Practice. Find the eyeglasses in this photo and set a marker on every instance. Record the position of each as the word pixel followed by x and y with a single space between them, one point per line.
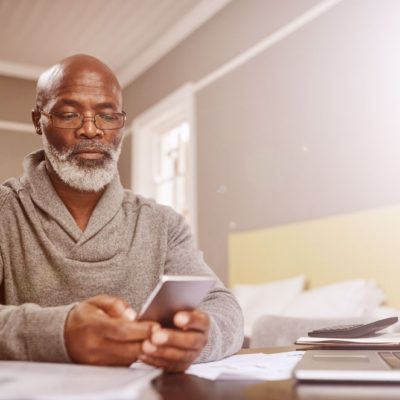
pixel 73 120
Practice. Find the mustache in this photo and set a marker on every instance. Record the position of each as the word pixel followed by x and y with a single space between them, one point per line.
pixel 91 146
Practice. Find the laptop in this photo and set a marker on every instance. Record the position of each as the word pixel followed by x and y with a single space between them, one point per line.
pixel 349 366
pixel 346 391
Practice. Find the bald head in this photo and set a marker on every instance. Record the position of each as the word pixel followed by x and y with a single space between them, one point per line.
pixel 78 71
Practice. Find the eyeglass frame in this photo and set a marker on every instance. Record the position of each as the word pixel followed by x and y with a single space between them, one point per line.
pixel 82 118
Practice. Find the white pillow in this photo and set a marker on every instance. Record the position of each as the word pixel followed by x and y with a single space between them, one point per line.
pixel 338 300
pixel 267 298
pixel 375 296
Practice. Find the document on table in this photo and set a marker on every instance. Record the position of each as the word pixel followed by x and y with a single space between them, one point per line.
pixel 378 340
pixel 45 381
pixel 257 366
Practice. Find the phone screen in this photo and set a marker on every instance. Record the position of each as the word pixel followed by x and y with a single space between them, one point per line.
pixel 173 294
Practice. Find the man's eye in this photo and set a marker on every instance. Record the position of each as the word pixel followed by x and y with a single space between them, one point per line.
pixel 109 117
pixel 67 116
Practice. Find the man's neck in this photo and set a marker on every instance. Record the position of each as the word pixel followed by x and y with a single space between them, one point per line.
pixel 79 204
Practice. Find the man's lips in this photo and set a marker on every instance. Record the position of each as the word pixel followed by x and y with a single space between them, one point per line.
pixel 90 154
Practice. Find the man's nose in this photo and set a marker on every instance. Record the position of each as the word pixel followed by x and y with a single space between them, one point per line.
pixel 89 128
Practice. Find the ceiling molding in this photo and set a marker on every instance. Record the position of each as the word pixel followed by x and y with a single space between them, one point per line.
pixel 188 24
pixel 19 70
pixel 15 126
pixel 270 40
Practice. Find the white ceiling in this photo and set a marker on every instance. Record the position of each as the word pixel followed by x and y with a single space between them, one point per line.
pixel 128 35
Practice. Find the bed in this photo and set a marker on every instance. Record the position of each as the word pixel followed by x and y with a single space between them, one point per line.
pixel 356 254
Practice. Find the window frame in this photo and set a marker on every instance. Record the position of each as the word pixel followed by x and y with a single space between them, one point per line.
pixel 166 114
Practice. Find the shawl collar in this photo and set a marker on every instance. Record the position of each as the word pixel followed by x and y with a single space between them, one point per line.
pixel 43 194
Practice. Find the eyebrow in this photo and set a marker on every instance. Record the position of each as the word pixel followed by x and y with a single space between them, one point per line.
pixel 69 102
pixel 106 105
pixel 100 106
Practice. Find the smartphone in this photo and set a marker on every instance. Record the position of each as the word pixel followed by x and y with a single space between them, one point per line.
pixel 175 293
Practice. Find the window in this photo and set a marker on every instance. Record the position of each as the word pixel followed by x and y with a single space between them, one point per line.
pixel 164 154
pixel 171 167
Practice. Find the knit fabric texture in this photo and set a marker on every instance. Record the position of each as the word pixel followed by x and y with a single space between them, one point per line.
pixel 48 264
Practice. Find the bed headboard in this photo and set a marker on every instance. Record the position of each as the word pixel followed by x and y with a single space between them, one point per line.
pixel 359 245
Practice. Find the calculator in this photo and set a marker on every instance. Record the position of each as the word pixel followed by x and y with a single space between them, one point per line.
pixel 354 330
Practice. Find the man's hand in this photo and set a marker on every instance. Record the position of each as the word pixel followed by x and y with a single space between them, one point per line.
pixel 175 349
pixel 102 331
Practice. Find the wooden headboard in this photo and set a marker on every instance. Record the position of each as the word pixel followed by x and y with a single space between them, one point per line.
pixel 359 245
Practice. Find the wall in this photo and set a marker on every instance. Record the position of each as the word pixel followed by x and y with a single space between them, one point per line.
pixel 231 31
pixel 17 99
pixel 307 129
pixel 16 102
pixel 234 29
pixel 14 146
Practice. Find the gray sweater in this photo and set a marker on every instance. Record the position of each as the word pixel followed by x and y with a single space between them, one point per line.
pixel 47 264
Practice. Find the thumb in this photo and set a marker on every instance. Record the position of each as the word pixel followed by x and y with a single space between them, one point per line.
pixel 113 306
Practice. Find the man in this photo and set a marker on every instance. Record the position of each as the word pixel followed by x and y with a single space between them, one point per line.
pixel 78 253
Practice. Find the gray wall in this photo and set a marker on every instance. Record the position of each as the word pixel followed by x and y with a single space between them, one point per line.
pixel 234 29
pixel 16 102
pixel 17 99
pixel 308 128
pixel 14 146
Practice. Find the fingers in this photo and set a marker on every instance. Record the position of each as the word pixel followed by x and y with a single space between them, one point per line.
pixel 186 340
pixel 169 353
pixel 173 346
pixel 102 331
pixel 113 306
pixel 174 350
pixel 108 352
pixel 115 353
pixel 93 336
pixel 124 331
pixel 192 320
pixel 167 365
pixel 113 328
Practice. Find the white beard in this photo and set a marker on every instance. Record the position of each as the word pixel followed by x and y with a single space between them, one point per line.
pixel 83 175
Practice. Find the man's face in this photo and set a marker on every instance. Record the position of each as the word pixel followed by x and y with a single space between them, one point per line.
pixel 84 158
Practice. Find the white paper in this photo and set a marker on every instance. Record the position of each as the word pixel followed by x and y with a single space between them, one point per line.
pixel 257 366
pixel 44 381
pixel 384 339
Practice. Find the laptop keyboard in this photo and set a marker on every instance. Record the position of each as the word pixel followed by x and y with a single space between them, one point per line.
pixel 391 358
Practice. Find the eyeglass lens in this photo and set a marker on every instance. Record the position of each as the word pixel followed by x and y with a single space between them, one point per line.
pixel 75 120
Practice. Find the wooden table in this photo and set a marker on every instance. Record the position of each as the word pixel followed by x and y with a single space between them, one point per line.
pixel 189 387
pixel 183 387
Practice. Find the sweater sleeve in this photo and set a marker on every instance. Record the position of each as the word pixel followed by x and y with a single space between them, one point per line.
pixel 226 320
pixel 30 332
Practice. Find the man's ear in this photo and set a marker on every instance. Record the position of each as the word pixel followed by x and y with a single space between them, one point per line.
pixel 36 120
